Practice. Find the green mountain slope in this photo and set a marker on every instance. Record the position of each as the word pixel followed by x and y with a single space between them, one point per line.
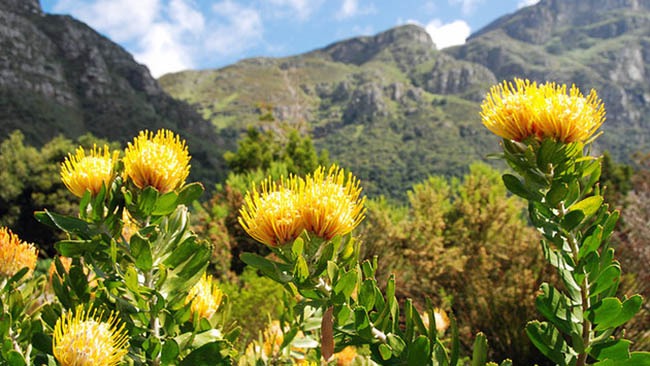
pixel 390 107
pixel 601 44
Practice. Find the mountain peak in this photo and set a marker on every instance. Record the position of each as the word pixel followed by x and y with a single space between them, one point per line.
pixel 21 6
pixel 536 24
pixel 360 50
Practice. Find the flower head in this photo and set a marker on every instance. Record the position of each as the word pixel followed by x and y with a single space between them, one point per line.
pixel 205 297
pixel 273 338
pixel 15 254
pixel 129 226
pixel 51 272
pixel 442 320
pixel 346 356
pixel 160 161
pixel 82 339
pixel 81 172
pixel 524 109
pixel 272 216
pixel 330 203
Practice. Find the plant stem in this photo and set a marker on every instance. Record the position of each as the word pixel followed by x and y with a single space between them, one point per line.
pixel 586 304
pixel 154 322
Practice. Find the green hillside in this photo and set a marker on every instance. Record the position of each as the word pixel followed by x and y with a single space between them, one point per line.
pixel 395 110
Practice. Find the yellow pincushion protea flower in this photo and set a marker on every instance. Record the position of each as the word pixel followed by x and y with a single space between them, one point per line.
pixel 15 254
pixel 81 172
pixel 272 216
pixel 160 161
pixel 330 203
pixel 205 297
pixel 273 338
pixel 524 109
pixel 82 339
pixel 346 356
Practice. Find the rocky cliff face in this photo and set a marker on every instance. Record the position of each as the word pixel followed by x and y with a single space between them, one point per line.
pixel 58 76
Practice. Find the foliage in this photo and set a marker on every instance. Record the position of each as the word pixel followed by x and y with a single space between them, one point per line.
pixel 257 299
pixel 259 149
pixel 31 181
pixel 566 206
pixel 454 243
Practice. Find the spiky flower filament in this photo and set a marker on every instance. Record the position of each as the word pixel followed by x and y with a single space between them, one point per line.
pixel 83 339
pixel 272 216
pixel 330 204
pixel 522 110
pixel 205 297
pixel 81 172
pixel 15 254
pixel 159 160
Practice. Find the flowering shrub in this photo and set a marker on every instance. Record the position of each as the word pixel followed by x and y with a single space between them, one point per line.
pixel 134 288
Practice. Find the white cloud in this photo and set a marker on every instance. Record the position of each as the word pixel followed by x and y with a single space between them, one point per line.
pixel 120 19
pixel 524 3
pixel 351 8
pixel 162 52
pixel 448 34
pixel 237 29
pixel 467 6
pixel 171 35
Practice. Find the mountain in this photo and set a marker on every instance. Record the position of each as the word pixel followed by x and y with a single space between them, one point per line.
pixel 395 110
pixel 600 44
pixel 58 76
pixel 390 107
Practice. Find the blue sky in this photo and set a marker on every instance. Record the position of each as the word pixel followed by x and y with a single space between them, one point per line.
pixel 174 35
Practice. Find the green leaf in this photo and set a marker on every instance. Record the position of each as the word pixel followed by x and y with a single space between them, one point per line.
pixel 548 340
pixel 480 349
pixel 367 294
pixel 588 206
pixel 614 349
pixel 557 193
pixel 71 225
pixel 611 313
pixel 15 359
pixel 346 283
pixel 276 271
pixel 610 224
pixel 591 243
pixel 76 248
pixel 165 204
pixel 572 220
pixel 301 270
pixel 515 186
pixel 385 351
pixel 170 352
pixel 419 352
pixel 215 353
pixel 636 359
pixel 297 248
pixel 146 201
pixel 362 323
pixel 556 307
pixel 396 343
pixel 141 251
pixel 190 193
pixel 607 278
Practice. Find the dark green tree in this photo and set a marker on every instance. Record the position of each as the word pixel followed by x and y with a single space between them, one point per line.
pixel 31 181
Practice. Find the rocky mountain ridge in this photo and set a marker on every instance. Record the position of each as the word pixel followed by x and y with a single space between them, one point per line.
pixel 59 76
pixel 391 107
